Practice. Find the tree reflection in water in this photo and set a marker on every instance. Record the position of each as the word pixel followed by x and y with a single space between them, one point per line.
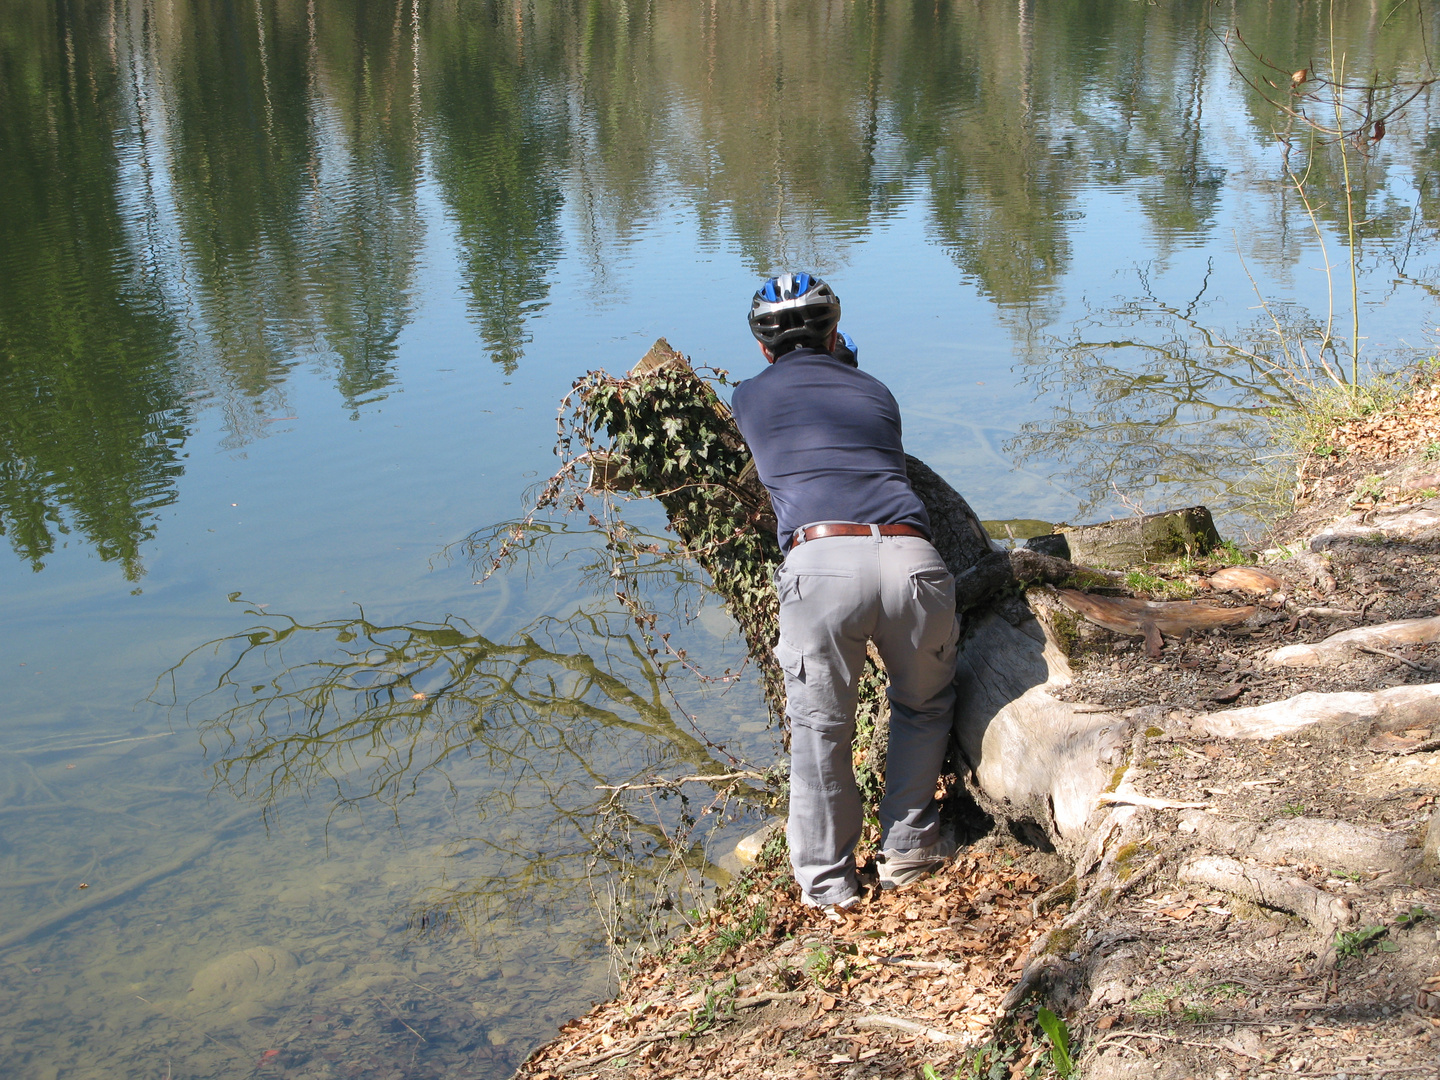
pixel 530 732
pixel 1153 401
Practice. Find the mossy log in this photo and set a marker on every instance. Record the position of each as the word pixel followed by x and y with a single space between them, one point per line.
pixel 1035 763
pixel 1127 542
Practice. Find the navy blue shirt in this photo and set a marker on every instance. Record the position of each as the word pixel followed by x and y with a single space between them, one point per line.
pixel 826 440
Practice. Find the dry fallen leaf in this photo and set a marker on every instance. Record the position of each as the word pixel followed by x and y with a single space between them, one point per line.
pixel 1179 914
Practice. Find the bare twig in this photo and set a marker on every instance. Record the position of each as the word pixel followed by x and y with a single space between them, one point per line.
pixel 677 781
pixel 757 1000
pixel 1125 797
pixel 909 1027
pixel 1326 613
pixel 1396 656
pixel 921 965
pixel 401 1019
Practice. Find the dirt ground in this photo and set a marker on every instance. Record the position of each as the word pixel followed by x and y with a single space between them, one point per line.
pixel 1171 980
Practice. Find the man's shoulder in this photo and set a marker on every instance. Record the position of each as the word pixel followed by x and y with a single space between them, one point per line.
pixel 745 387
pixel 770 375
pixel 803 369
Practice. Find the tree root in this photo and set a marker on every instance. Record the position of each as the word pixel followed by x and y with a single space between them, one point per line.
pixel 1406 525
pixel 1043 966
pixel 1267 888
pixel 1336 845
pixel 1342 647
pixel 1397 708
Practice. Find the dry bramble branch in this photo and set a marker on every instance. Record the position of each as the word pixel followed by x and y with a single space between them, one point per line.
pixel 1361 110
pixel 1356 120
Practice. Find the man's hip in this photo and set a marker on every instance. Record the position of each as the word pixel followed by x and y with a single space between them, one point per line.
pixel 838 593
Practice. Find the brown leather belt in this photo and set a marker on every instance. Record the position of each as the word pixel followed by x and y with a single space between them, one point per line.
pixel 815 532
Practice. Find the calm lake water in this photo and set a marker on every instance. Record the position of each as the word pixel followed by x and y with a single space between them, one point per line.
pixel 289 293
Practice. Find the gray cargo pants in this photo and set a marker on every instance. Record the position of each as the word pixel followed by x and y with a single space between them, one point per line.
pixel 834 594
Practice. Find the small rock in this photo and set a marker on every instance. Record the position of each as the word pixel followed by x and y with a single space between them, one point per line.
pixel 749 848
pixel 241 975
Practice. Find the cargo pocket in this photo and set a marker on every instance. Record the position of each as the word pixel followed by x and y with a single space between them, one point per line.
pixel 934 586
pixel 933 589
pixel 790 659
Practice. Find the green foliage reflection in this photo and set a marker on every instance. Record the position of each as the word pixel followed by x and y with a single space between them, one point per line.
pixel 91 413
pixel 499 155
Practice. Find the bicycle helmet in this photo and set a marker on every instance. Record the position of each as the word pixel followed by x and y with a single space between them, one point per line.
pixel 794 310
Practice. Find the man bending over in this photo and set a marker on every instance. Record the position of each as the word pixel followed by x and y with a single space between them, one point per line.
pixel 858 566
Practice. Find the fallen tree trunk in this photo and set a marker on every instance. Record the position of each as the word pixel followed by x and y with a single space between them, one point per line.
pixel 1127 542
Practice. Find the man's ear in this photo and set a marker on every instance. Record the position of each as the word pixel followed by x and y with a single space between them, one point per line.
pixel 765 352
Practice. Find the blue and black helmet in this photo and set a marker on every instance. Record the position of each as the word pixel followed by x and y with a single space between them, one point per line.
pixel 794 310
